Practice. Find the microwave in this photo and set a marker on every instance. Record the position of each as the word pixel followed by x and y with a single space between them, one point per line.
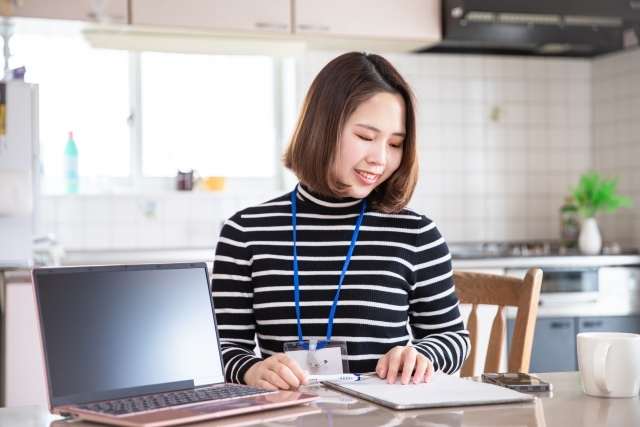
pixel 566 285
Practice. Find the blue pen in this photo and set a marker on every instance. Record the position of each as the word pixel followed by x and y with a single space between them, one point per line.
pixel 315 379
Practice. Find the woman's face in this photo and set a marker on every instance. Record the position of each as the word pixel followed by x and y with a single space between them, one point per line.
pixel 371 143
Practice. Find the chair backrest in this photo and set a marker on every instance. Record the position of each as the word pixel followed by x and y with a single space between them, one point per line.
pixel 478 288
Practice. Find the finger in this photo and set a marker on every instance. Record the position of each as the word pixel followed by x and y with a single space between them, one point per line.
pixel 300 374
pixel 274 378
pixel 382 366
pixel 409 356
pixel 395 359
pixel 421 368
pixel 265 384
pixel 429 375
pixel 286 375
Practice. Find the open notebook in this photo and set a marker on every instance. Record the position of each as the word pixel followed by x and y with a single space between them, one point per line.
pixel 443 390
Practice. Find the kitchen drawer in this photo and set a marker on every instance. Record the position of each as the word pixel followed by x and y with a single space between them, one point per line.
pixel 630 324
pixel 554 344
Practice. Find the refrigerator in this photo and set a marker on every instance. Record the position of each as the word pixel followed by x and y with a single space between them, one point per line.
pixel 19 171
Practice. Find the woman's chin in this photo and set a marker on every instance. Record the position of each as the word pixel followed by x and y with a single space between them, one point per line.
pixel 360 192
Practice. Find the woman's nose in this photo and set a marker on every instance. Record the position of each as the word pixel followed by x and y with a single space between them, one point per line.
pixel 377 154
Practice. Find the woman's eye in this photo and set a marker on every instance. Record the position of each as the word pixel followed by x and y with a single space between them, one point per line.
pixel 364 138
pixel 396 145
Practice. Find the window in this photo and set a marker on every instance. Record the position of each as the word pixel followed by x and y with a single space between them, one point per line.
pixel 210 113
pixel 138 118
pixel 83 90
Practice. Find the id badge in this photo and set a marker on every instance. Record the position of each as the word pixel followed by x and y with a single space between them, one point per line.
pixel 329 360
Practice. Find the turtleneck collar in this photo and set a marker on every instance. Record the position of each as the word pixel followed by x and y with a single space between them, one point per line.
pixel 306 195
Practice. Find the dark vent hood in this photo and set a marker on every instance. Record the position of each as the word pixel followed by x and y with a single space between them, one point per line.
pixel 581 28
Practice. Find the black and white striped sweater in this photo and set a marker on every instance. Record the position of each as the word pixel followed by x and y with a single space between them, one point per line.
pixel 400 271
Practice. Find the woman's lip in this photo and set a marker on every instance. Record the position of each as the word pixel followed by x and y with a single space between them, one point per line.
pixel 367 180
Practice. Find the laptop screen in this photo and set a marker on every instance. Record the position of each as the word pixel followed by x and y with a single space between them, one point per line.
pixel 120 331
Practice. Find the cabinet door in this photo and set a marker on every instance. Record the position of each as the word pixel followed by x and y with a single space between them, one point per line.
pixel 629 324
pixel 24 369
pixel 554 344
pixel 79 10
pixel 247 15
pixel 378 19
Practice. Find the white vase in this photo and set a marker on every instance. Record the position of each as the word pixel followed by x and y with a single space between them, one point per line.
pixel 590 240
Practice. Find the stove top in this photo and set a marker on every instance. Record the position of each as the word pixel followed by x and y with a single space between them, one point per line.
pixel 525 249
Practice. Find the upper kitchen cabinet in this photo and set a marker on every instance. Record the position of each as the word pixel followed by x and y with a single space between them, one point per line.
pixel 114 11
pixel 273 16
pixel 401 20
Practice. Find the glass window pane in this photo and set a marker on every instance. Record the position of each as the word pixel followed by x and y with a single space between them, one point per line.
pixel 210 113
pixel 83 90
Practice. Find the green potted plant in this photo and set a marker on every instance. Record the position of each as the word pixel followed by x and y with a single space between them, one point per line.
pixel 592 195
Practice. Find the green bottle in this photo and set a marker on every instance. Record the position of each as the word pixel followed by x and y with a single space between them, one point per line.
pixel 569 224
pixel 71 165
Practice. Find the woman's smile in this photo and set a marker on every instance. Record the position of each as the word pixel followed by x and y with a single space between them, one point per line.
pixel 367 177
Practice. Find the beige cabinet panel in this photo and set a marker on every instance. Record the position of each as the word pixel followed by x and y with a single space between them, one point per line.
pixel 115 11
pixel 271 16
pixel 24 369
pixel 378 19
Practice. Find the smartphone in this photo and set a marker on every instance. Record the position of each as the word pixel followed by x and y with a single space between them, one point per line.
pixel 517 381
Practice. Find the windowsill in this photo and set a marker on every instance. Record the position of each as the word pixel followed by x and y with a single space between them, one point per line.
pixel 166 186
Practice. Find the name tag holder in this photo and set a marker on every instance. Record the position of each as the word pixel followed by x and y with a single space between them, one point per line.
pixel 328 360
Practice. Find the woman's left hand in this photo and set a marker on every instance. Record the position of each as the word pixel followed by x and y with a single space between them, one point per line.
pixel 405 359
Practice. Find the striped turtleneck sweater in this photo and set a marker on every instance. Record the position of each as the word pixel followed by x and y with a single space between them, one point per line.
pixel 400 275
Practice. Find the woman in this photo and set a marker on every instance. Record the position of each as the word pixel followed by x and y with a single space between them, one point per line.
pixel 354 153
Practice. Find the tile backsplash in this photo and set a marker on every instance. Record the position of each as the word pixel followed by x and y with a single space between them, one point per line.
pixel 616 137
pixel 165 221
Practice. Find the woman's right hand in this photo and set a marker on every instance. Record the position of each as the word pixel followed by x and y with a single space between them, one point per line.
pixel 278 372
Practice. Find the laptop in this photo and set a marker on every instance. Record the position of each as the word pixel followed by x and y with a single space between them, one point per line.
pixel 138 345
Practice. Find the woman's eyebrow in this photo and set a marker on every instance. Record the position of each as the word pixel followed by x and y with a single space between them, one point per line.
pixel 402 134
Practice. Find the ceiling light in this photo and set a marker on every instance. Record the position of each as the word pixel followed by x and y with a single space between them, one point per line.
pixel 480 16
pixel 589 21
pixel 553 48
pixel 526 18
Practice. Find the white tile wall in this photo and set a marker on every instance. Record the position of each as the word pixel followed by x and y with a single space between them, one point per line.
pixel 616 137
pixel 167 221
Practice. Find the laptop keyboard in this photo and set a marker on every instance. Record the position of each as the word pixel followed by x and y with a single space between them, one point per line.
pixel 159 401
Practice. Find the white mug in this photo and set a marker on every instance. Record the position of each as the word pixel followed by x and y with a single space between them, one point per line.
pixel 609 364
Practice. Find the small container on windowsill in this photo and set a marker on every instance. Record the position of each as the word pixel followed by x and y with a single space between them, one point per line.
pixel 184 181
pixel 213 183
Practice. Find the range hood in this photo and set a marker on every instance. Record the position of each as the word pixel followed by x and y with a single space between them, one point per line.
pixel 581 28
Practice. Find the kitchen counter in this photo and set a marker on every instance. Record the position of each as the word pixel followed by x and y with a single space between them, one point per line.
pixel 207 255
pixel 543 261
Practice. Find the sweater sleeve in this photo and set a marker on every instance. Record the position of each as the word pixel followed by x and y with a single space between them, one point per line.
pixel 434 316
pixel 232 291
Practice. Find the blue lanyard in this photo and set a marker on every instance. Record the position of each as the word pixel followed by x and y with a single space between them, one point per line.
pixel 296 280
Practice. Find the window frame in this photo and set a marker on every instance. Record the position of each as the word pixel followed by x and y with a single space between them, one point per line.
pixel 138 183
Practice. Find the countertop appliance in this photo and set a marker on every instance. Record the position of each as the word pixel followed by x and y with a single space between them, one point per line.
pixel 579 28
pixel 19 171
pixel 566 285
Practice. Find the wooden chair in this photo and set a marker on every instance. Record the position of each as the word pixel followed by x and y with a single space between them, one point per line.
pixel 477 288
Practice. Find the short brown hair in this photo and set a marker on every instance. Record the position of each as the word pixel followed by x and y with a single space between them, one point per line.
pixel 340 87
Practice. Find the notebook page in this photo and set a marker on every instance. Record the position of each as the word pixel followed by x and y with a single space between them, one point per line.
pixel 443 390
